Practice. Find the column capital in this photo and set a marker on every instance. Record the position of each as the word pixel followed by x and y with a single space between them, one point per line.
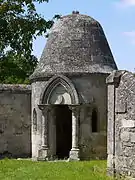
pixel 74 108
pixel 44 107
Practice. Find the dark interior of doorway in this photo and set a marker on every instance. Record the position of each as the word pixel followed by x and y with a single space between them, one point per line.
pixel 63 131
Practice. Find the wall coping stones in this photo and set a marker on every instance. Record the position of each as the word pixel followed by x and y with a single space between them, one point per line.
pixel 46 77
pixel 21 88
pixel 114 77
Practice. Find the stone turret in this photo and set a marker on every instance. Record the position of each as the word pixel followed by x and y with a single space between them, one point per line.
pixel 76 45
pixel 69 92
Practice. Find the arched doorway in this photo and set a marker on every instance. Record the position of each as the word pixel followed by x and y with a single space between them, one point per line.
pixel 63 131
pixel 57 137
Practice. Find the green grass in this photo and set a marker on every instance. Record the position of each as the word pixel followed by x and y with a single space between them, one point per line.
pixel 29 170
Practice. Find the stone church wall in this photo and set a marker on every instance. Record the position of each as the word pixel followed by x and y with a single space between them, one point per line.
pixel 121 123
pixel 37 88
pixel 92 89
pixel 15 120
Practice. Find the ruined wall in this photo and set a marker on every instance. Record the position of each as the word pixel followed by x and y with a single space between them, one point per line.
pixel 15 120
pixel 121 123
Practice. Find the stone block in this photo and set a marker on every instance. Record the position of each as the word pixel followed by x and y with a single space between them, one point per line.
pixel 132 136
pixel 121 107
pixel 74 155
pixel 43 154
pixel 128 123
pixel 110 161
pixel 124 136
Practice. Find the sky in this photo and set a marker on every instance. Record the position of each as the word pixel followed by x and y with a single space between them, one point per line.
pixel 117 18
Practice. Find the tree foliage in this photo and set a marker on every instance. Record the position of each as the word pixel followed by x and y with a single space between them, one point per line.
pixel 19 25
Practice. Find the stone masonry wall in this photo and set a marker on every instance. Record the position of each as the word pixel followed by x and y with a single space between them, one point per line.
pixel 37 89
pixel 15 120
pixel 121 123
pixel 91 89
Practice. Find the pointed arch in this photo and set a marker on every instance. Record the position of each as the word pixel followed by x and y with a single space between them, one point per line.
pixel 54 82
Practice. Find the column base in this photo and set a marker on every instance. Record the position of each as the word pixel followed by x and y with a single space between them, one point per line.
pixel 111 172
pixel 34 159
pixel 43 154
pixel 74 155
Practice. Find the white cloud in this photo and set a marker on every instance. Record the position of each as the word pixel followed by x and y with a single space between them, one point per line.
pixel 130 35
pixel 129 2
pixel 125 3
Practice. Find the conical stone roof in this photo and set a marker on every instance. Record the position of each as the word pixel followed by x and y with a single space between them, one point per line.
pixel 76 45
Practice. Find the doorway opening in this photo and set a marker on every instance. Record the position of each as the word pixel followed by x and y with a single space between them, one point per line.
pixel 63 131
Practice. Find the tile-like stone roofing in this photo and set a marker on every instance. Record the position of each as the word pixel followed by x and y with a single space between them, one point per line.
pixel 76 45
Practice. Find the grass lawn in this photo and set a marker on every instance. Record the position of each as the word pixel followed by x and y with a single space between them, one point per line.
pixel 29 170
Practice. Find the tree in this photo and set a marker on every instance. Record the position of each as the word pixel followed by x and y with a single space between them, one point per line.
pixel 19 25
pixel 16 69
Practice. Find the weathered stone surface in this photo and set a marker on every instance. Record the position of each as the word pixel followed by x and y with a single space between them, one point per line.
pixel 128 123
pixel 132 136
pixel 74 155
pixel 72 72
pixel 92 145
pixel 125 136
pixel 76 44
pixel 21 88
pixel 15 120
pixel 122 124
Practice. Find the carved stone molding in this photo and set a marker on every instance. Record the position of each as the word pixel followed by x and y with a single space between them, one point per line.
pixel 75 109
pixel 114 77
pixel 45 108
pixel 53 83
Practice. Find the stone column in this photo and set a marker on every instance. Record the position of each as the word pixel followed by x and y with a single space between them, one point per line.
pixel 44 151
pixel 112 82
pixel 52 132
pixel 74 153
pixel 111 130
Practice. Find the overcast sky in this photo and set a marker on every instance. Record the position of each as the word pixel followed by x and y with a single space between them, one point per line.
pixel 117 18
